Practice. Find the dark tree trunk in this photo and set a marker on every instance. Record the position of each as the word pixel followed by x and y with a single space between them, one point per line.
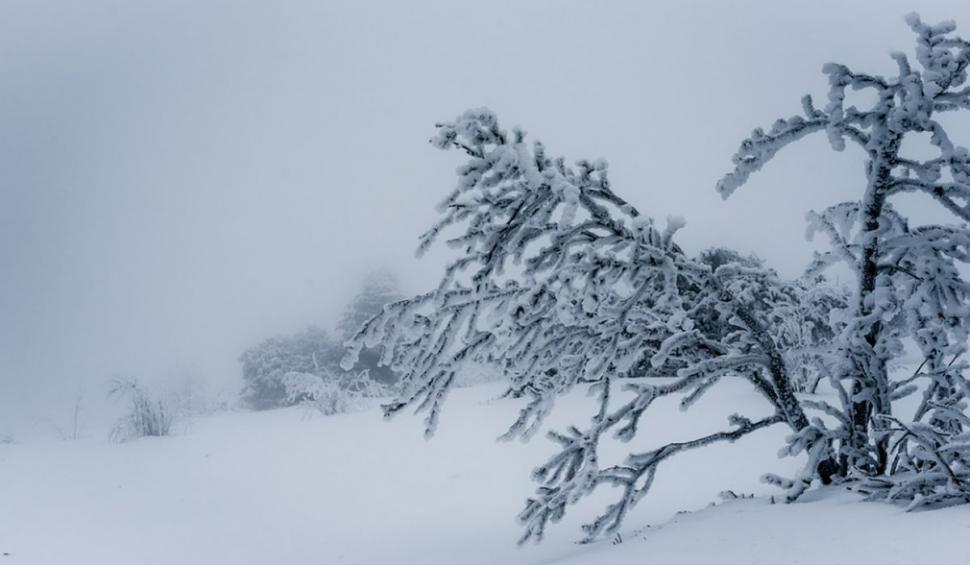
pixel 872 377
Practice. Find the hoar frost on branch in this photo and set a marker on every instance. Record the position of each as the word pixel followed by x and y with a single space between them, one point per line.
pixel 909 281
pixel 561 282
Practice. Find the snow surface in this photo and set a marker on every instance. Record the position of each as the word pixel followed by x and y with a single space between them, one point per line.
pixel 279 487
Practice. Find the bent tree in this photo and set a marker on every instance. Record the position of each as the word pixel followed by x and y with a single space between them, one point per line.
pixel 561 283
pixel 909 283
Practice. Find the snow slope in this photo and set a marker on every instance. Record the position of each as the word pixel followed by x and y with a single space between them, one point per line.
pixel 829 526
pixel 278 487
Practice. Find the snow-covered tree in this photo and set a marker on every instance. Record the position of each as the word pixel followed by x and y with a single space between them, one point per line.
pixel 909 282
pixel 561 283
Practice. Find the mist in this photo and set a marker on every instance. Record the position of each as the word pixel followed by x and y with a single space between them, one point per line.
pixel 181 179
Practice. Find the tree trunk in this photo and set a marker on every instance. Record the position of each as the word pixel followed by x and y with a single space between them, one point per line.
pixel 787 402
pixel 871 376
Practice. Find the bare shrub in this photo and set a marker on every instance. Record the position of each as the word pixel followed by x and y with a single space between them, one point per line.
pixel 148 416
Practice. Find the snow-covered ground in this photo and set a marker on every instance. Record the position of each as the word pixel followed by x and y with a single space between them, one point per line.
pixel 279 487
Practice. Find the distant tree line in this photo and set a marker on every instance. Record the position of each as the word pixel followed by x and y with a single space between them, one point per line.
pixel 312 356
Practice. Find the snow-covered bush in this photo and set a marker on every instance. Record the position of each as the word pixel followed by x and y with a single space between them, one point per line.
pixel 910 286
pixel 264 365
pixel 147 415
pixel 333 394
pixel 315 352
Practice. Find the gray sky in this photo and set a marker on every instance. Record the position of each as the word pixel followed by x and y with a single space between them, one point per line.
pixel 180 179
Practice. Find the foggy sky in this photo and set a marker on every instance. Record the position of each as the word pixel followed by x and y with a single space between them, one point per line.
pixel 180 179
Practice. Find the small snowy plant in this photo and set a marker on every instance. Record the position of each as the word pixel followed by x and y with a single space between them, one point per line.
pixel 332 394
pixel 561 283
pixel 910 286
pixel 147 415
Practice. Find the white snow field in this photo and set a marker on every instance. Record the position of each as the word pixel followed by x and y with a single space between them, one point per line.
pixel 281 487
